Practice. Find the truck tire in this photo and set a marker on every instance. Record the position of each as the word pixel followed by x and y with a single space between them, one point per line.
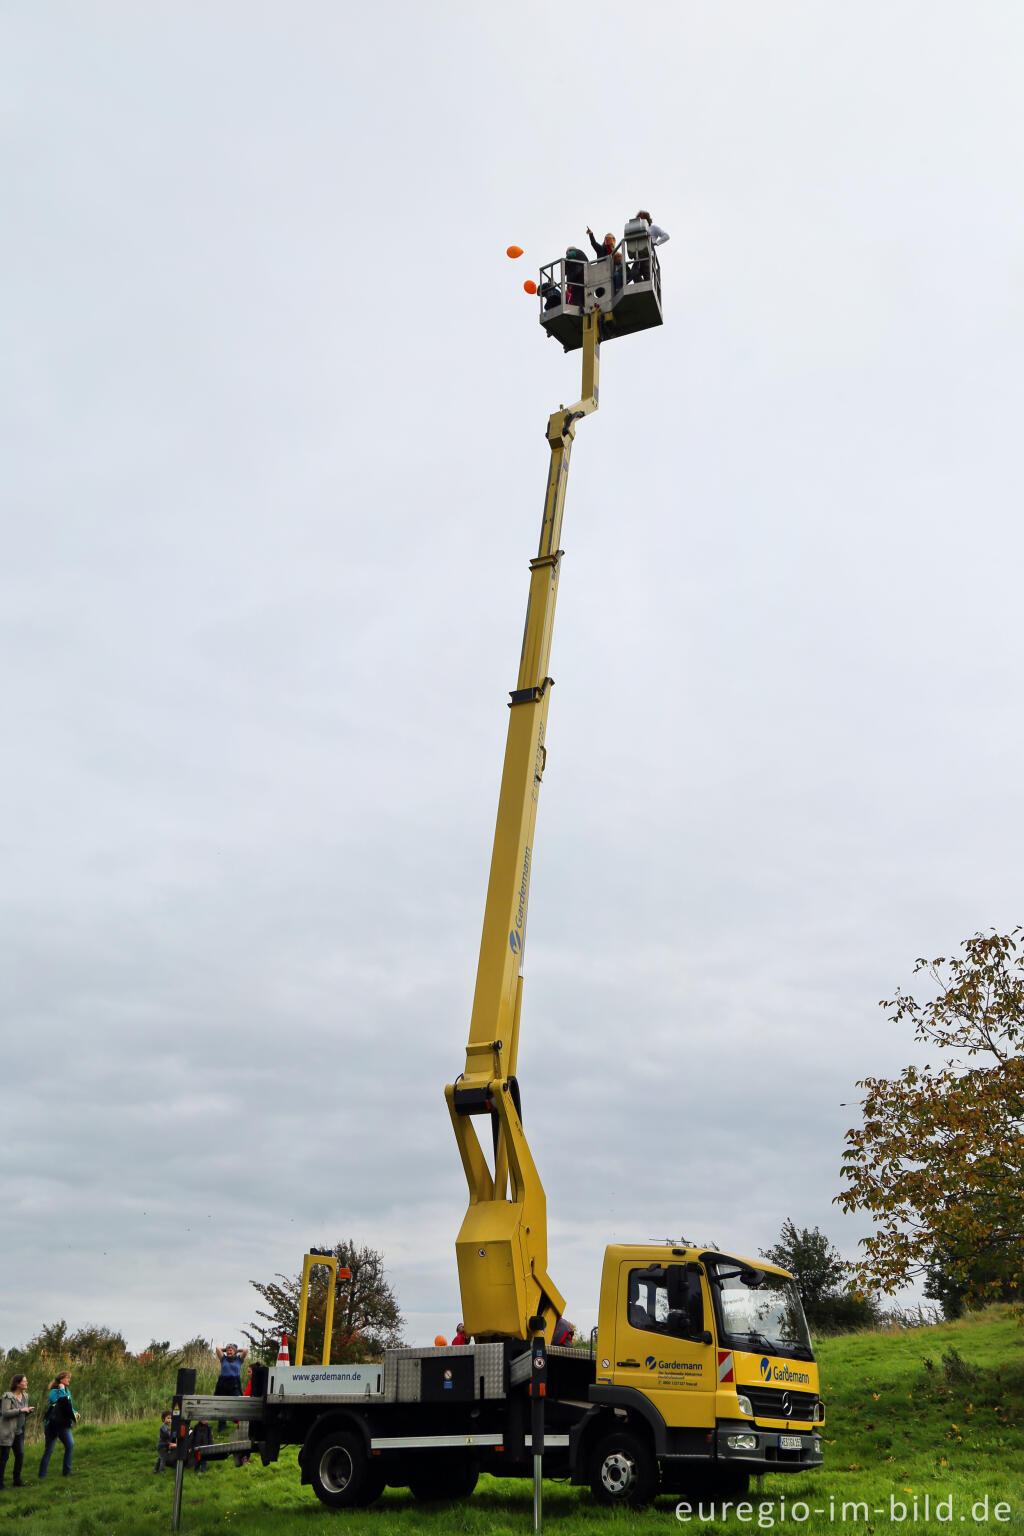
pixel 453 1478
pixel 341 1472
pixel 623 1470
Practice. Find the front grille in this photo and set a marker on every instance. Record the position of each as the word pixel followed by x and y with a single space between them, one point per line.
pixel 767 1403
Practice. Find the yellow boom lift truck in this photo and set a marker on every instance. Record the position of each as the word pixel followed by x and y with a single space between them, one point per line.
pixel 701 1371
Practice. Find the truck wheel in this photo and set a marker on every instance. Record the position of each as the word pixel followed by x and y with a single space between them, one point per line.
pixel 623 1470
pixel 452 1479
pixel 342 1474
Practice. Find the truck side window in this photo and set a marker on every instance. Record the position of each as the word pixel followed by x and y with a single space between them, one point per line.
pixel 666 1301
pixel 686 1303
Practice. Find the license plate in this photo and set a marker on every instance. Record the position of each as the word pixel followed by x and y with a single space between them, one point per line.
pixel 790 1442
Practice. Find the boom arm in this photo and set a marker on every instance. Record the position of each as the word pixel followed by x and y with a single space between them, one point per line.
pixel 502 1244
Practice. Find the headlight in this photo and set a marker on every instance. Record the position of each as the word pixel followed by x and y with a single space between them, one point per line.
pixel 741 1442
pixel 819 1412
pixel 744 1405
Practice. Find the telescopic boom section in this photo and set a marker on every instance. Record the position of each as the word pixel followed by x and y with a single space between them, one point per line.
pixel 502 1244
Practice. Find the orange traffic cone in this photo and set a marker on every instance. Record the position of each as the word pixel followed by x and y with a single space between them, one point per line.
pixel 283 1357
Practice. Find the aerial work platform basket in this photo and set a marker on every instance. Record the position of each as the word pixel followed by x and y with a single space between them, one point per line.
pixel 625 286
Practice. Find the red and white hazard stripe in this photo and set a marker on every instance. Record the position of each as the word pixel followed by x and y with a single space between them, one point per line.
pixel 725 1373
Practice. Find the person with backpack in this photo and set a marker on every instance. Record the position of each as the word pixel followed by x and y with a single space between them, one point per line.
pixel 57 1422
pixel 14 1412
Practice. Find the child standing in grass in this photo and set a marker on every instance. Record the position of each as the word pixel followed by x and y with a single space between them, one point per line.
pixel 163 1446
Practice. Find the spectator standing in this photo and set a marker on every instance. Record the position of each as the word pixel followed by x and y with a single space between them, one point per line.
pixel 14 1412
pixel 460 1335
pixel 58 1420
pixel 199 1437
pixel 229 1382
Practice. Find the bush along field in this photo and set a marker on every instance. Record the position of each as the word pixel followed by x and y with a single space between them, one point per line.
pixel 925 1431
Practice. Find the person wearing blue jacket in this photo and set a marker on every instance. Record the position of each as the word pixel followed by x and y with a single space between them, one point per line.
pixel 57 1422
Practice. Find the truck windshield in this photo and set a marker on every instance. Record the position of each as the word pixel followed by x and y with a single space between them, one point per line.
pixel 758 1310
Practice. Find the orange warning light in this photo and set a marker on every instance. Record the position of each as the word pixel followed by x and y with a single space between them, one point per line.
pixel 514 251
pixel 440 1341
pixel 530 286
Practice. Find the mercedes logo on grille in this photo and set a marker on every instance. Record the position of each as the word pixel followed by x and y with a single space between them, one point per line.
pixel 787 1405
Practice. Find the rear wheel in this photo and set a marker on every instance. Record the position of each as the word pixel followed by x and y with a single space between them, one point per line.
pixel 342 1474
pixel 623 1470
pixel 453 1478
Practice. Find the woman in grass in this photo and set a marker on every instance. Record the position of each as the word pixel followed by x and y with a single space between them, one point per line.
pixel 14 1412
pixel 60 1416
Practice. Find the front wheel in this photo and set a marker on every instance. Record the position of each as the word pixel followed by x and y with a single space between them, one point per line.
pixel 623 1470
pixel 342 1473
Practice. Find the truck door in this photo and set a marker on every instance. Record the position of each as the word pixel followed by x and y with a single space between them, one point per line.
pixel 662 1344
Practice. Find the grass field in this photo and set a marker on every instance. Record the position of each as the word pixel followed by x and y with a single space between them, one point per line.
pixel 936 1412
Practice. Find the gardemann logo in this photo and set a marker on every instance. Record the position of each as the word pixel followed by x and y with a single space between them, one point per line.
pixel 650 1362
pixel 782 1372
pixel 515 938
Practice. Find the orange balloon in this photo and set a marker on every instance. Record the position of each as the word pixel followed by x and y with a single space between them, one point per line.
pixel 530 286
pixel 514 251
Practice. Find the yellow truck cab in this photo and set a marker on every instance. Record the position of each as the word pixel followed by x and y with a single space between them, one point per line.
pixel 704 1373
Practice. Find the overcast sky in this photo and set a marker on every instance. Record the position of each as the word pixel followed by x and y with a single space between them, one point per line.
pixel 273 463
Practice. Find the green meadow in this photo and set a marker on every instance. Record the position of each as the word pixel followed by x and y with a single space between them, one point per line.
pixel 931 1413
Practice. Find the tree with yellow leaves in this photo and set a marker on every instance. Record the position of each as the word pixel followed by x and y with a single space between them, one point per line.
pixel 939 1159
